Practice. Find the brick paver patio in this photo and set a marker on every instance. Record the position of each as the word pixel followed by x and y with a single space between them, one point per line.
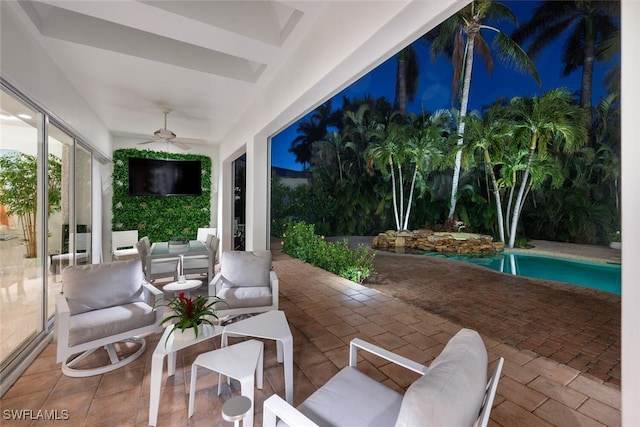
pixel 572 325
pixel 325 312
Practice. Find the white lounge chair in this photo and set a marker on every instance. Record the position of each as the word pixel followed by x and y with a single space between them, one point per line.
pixel 452 392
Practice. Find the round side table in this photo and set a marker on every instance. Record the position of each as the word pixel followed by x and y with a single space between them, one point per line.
pixel 186 286
pixel 235 409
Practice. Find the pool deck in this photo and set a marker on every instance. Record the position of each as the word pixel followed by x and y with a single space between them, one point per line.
pixel 575 326
pixel 573 250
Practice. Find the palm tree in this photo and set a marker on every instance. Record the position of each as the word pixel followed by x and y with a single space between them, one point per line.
pixel 488 135
pixel 424 149
pixel 407 75
pixel 311 130
pixel 460 37
pixel 589 23
pixel 383 153
pixel 539 122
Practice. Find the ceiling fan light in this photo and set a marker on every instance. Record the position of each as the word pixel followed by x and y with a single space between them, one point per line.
pixel 164 134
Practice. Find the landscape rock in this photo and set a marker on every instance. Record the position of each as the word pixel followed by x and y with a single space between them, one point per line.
pixel 429 241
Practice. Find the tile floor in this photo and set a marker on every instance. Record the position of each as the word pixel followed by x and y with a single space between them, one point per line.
pixel 324 312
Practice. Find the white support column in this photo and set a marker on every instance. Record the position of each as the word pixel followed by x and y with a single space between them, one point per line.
pixel 225 202
pixel 257 201
pixel 630 106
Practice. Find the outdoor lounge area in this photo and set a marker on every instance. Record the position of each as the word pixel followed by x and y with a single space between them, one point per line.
pixel 324 313
pixel 80 82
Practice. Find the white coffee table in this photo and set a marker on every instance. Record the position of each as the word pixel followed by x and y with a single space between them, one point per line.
pixel 185 286
pixel 169 347
pixel 271 325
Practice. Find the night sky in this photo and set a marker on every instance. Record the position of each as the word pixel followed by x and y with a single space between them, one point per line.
pixel 434 90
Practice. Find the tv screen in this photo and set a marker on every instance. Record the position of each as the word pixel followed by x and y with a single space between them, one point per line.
pixel 153 177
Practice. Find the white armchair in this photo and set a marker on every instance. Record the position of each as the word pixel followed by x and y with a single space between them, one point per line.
pixel 246 282
pixel 452 392
pixel 103 304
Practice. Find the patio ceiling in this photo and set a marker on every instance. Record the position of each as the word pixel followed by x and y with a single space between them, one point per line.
pixel 208 61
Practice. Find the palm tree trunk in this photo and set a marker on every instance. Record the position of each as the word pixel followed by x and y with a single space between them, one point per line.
pixel 393 195
pixel 413 184
pixel 401 83
pixel 587 79
pixel 587 69
pixel 496 195
pixel 401 191
pixel 466 85
pixel 520 199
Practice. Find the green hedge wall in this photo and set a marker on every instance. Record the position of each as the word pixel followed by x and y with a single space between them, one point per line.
pixel 160 218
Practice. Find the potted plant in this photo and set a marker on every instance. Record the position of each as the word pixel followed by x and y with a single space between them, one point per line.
pixel 19 186
pixel 190 314
pixel 615 240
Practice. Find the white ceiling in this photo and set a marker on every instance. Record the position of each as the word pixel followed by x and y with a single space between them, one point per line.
pixel 214 62
pixel 205 60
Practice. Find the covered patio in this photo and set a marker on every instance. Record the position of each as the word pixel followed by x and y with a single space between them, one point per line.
pixel 324 312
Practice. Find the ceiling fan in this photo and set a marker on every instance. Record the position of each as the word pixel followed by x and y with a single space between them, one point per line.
pixel 169 136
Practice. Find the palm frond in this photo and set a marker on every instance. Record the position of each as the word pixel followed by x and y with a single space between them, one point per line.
pixel 511 53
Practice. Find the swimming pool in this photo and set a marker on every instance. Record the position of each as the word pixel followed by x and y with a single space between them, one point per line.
pixel 602 276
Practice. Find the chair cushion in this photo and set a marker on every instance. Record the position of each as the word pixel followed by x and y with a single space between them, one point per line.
pixel 242 297
pixel 97 286
pixel 121 254
pixel 110 321
pixel 352 398
pixel 245 268
pixel 451 392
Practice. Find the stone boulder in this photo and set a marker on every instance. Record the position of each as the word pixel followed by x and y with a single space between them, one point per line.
pixel 427 240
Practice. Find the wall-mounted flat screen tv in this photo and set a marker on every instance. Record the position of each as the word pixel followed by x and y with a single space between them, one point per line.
pixel 154 177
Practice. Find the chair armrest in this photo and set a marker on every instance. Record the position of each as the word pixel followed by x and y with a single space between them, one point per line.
pixel 215 285
pixel 61 326
pixel 357 343
pixel 152 291
pixel 276 407
pixel 273 279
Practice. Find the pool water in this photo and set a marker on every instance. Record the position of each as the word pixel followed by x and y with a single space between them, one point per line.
pixel 602 276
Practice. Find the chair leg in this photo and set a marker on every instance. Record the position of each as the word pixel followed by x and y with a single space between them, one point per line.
pixel 69 370
pixel 111 351
pixel 192 388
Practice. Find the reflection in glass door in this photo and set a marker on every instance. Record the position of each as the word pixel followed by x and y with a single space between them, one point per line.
pixel 45 223
pixel 21 248
pixel 60 145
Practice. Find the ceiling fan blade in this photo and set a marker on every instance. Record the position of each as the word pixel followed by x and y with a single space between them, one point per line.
pixel 180 144
pixel 148 142
pixel 189 140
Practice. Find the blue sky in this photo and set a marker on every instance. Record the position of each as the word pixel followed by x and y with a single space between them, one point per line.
pixel 434 90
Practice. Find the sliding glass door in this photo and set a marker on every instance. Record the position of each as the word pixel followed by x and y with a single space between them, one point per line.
pixel 45 221
pixel 22 251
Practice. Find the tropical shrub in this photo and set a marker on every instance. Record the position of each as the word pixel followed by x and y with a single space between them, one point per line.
pixel 299 240
pixel 19 188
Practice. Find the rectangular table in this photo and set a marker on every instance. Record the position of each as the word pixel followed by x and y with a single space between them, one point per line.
pixel 161 250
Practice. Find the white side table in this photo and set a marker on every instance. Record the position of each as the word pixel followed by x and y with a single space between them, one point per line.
pixel 157 361
pixel 271 325
pixel 186 286
pixel 241 361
